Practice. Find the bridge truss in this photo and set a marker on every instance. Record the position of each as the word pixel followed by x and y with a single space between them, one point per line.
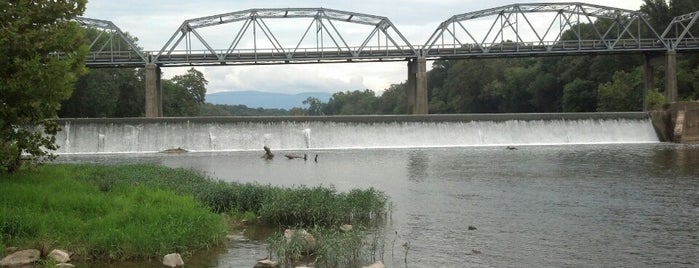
pixel 109 46
pixel 683 29
pixel 256 39
pixel 543 28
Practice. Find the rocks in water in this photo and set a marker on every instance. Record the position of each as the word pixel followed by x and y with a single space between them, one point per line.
pixel 471 228
pixel 268 153
pixel 377 264
pixel 173 260
pixel 177 150
pixel 266 263
pixel 304 237
pixel 59 256
pixel 21 258
pixel 65 265
pixel 475 251
pixel 237 237
pixel 511 148
pixel 346 227
pixel 295 156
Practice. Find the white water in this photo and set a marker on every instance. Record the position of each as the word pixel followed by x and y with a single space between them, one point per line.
pixel 109 137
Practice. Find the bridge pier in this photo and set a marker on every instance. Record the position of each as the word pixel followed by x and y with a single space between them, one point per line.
pixel 670 62
pixel 154 91
pixel 417 86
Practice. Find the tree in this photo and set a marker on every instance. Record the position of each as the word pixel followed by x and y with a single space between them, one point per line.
pixel 184 94
pixel 579 96
pixel 315 106
pixel 32 82
pixel 623 93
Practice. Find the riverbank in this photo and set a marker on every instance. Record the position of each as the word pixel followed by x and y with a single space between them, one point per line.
pixel 133 212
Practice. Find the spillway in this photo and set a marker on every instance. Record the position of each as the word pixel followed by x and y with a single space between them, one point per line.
pixel 202 134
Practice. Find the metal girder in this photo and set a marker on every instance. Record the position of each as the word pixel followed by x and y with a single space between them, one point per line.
pixel 512 31
pixel 682 26
pixel 106 49
pixel 330 45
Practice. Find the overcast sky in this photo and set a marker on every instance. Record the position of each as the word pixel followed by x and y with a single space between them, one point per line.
pixel 155 21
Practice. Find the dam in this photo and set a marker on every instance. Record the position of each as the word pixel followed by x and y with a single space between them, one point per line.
pixel 212 134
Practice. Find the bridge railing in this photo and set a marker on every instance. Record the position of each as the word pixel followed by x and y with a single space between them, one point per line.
pixel 272 55
pixel 610 45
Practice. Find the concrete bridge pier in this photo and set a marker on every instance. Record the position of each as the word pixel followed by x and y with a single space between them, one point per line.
pixel 417 86
pixel 154 91
pixel 669 59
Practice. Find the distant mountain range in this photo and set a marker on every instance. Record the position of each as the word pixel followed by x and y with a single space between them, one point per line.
pixel 267 100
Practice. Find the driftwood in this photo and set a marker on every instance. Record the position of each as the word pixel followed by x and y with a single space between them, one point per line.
pixel 294 156
pixel 268 153
pixel 174 150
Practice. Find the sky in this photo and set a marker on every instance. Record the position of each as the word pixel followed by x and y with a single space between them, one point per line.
pixel 154 22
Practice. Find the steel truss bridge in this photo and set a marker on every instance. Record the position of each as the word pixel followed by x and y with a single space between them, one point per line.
pixel 320 35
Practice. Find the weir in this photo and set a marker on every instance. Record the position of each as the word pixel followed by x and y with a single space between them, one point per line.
pixel 208 134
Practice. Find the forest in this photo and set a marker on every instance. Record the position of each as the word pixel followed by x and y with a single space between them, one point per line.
pixel 603 83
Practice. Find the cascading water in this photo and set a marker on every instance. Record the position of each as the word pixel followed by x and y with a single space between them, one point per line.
pixel 123 136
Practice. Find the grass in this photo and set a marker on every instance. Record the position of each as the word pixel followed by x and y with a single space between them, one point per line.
pixel 131 212
pixel 48 207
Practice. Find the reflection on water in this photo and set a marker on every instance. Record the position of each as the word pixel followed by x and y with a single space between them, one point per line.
pixel 537 206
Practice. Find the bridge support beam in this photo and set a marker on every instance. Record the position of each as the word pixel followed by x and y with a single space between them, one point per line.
pixel 671 76
pixel 154 91
pixel 417 86
pixel 669 60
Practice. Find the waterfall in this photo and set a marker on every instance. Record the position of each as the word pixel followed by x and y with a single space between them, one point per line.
pixel 130 136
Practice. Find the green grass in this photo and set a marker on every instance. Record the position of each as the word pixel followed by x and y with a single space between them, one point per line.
pixel 145 211
pixel 48 207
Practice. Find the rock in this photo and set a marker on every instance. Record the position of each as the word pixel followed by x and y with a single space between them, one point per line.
pixel 377 264
pixel 475 251
pixel 266 263
pixel 9 250
pixel 307 240
pixel 173 260
pixel 471 228
pixel 65 265
pixel 59 255
pixel 346 227
pixel 21 258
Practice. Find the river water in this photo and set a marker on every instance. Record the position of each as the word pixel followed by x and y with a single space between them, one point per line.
pixel 593 205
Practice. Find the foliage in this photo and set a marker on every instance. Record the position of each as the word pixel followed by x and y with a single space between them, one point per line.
pixel 623 93
pixel 32 83
pixel 655 99
pixel 274 205
pixel 57 205
pixel 184 94
pixel 579 96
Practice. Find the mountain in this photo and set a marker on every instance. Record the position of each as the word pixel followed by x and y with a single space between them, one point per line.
pixel 267 100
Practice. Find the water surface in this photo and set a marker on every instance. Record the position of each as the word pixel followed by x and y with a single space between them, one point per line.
pixel 624 205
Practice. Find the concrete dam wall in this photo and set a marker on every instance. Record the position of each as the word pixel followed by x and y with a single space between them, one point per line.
pixel 202 134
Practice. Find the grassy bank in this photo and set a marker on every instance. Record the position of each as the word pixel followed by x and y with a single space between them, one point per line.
pixel 51 207
pixel 145 211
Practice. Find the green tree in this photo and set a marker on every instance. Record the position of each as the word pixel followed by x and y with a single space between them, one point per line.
pixel 33 83
pixel 394 100
pixel 315 106
pixel 579 96
pixel 352 103
pixel 184 94
pixel 623 93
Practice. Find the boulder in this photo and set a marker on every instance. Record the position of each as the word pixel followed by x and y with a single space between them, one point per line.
pixel 59 256
pixel 307 240
pixel 173 260
pixel 21 258
pixel 346 227
pixel 266 263
pixel 377 264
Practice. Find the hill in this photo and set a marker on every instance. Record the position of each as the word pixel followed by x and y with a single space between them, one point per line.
pixel 267 100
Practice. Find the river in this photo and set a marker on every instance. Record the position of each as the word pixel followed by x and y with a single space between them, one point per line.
pixel 573 205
